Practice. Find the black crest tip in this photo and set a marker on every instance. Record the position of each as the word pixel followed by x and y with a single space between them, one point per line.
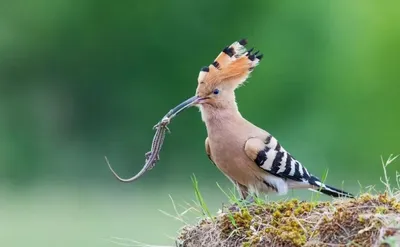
pixel 249 51
pixel 260 56
pixel 205 69
pixel 229 51
pixel 215 64
pixel 243 42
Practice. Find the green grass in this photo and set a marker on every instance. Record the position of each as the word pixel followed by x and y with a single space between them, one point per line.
pixel 200 200
pixel 386 179
pixel 323 180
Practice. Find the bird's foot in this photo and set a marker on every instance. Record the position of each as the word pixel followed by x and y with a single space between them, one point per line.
pixel 242 203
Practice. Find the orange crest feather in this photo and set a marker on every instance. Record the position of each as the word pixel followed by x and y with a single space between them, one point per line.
pixel 232 66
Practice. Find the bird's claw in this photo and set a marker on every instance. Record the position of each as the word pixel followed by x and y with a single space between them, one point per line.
pixel 241 203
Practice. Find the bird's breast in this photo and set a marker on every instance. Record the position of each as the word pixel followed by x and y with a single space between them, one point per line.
pixel 229 156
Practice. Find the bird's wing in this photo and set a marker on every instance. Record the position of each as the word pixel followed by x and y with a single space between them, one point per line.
pixel 208 151
pixel 270 156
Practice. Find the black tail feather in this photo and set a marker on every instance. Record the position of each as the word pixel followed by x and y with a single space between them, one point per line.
pixel 328 190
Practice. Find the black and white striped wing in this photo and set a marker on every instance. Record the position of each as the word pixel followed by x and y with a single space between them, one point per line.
pixel 277 161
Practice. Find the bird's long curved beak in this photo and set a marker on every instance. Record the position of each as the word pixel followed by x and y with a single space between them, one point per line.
pixel 184 105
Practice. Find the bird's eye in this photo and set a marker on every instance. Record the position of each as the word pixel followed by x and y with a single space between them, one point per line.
pixel 216 91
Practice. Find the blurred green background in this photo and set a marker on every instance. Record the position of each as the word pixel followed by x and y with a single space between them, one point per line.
pixel 80 80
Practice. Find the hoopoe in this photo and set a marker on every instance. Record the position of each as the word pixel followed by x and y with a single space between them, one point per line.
pixel 248 155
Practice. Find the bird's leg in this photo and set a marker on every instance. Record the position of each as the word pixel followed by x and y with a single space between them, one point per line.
pixel 243 191
pixel 249 199
pixel 245 198
pixel 246 202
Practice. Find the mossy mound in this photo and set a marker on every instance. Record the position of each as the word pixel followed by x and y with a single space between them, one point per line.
pixel 365 221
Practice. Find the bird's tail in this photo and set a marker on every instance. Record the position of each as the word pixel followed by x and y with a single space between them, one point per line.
pixel 328 190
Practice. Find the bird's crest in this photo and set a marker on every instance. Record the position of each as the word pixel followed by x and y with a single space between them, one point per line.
pixel 232 66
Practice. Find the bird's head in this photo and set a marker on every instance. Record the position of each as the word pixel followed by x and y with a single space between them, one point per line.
pixel 218 81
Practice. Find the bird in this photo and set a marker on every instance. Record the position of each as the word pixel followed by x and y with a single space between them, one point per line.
pixel 249 156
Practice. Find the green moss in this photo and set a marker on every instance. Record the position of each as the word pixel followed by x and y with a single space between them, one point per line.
pixel 352 222
pixel 381 210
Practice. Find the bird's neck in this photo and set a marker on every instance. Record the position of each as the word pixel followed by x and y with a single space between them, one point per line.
pixel 217 119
